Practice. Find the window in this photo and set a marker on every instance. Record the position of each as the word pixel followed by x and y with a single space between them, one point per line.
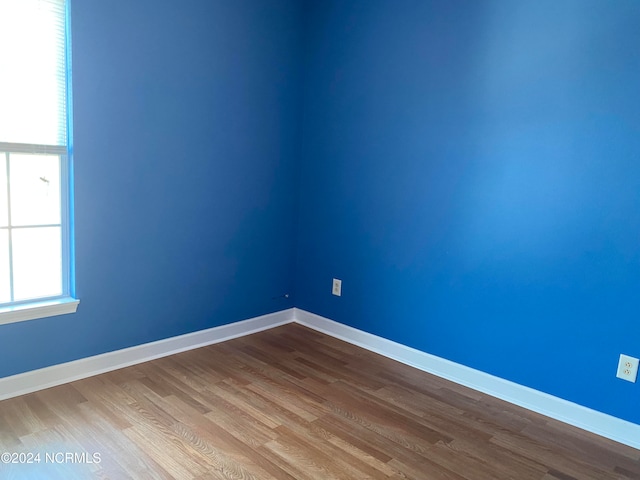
pixel 35 246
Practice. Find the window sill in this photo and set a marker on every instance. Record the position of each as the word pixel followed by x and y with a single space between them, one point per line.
pixel 31 311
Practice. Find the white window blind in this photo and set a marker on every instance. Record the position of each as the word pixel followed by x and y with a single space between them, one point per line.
pixel 33 100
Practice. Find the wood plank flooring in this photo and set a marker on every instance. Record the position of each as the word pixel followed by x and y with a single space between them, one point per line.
pixel 292 404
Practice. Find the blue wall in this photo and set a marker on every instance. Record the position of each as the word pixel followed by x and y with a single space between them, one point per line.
pixel 471 171
pixel 185 141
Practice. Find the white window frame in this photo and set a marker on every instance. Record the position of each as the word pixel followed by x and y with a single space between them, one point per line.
pixel 64 303
pixel 60 304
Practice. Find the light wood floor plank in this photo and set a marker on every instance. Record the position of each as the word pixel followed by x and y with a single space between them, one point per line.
pixel 293 404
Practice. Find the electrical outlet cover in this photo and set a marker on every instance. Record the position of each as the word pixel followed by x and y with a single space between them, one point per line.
pixel 337 287
pixel 627 368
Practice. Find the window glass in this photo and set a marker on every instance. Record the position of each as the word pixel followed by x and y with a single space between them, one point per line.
pixel 5 293
pixel 4 210
pixel 37 262
pixel 35 189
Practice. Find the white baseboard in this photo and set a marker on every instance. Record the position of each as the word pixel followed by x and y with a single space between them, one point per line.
pixel 593 421
pixel 42 378
pixel 582 417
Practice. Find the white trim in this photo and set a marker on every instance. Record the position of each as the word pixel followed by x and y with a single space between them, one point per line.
pixel 568 412
pixel 33 310
pixel 42 378
pixel 590 420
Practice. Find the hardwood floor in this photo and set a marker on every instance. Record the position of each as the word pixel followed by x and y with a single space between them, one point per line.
pixel 290 403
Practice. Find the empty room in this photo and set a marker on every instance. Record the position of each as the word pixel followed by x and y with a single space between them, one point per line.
pixel 319 239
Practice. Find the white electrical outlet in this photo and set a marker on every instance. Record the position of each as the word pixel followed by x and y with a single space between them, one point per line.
pixel 627 368
pixel 337 287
